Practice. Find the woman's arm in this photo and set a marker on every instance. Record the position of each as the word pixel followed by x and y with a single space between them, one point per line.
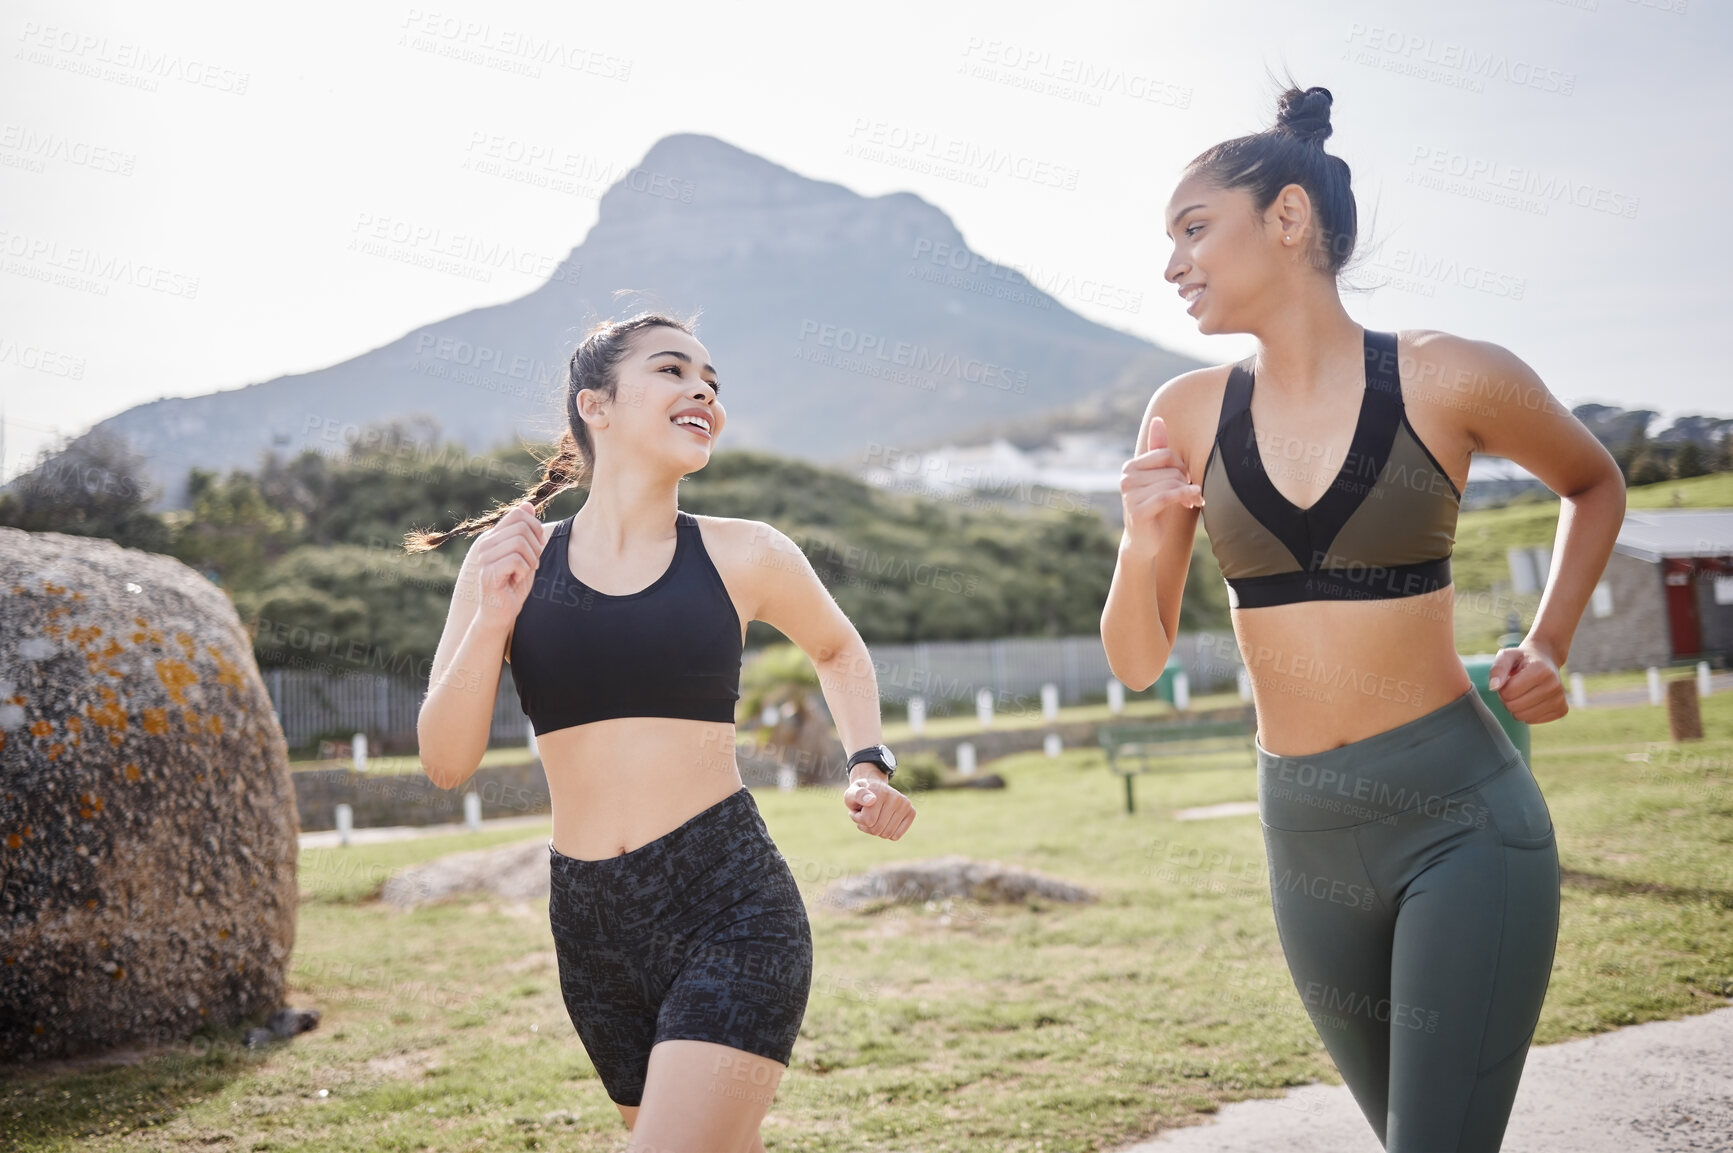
pixel 1161 503
pixel 787 594
pixel 1510 413
pixel 457 714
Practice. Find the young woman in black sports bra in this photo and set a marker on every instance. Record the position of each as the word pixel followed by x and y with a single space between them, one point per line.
pixel 1412 863
pixel 685 956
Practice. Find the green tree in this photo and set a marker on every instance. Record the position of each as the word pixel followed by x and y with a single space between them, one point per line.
pixel 94 486
pixel 1649 468
pixel 350 608
pixel 231 530
pixel 1690 460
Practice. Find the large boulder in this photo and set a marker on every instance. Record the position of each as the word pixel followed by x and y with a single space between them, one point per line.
pixel 148 833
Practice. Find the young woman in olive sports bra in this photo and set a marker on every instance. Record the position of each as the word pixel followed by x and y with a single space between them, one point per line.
pixel 685 956
pixel 1412 864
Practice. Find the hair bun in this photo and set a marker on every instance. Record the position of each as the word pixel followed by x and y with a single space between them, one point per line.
pixel 1305 114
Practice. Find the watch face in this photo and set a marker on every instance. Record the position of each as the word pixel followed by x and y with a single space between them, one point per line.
pixel 889 757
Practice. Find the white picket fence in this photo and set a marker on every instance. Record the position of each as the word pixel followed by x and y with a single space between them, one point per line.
pixel 1015 668
pixel 312 705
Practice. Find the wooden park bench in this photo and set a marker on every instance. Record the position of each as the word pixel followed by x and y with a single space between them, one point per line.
pixel 1138 748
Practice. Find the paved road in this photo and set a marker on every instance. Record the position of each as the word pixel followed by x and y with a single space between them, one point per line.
pixel 1664 1087
pixel 327 839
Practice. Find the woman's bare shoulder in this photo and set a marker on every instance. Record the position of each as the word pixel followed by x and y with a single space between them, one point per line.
pixel 1188 405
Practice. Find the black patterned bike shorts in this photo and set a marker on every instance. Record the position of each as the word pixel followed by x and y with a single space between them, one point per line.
pixel 699 935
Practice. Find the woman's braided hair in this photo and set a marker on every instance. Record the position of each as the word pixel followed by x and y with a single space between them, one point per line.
pixel 573 462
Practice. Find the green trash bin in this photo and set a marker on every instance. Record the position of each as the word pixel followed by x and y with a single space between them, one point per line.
pixel 1479 668
pixel 1164 683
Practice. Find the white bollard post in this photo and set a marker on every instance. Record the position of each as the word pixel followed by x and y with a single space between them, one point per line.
pixel 1702 678
pixel 530 739
pixel 472 811
pixel 770 716
pixel 984 707
pixel 1115 696
pixel 966 759
pixel 358 750
pixel 917 715
pixel 1052 745
pixel 1049 702
pixel 785 778
pixel 1579 692
pixel 1181 691
pixel 1655 693
pixel 345 823
pixel 1245 681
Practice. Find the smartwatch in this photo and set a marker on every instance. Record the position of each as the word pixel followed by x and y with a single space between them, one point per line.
pixel 880 755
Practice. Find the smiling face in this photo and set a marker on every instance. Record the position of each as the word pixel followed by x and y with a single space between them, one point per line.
pixel 1229 263
pixel 665 406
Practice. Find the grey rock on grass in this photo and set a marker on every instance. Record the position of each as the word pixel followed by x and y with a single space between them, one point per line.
pixel 148 833
pixel 918 881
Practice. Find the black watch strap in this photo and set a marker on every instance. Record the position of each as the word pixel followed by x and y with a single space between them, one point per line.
pixel 871 753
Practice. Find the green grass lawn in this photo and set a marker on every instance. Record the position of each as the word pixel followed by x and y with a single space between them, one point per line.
pixel 947 1028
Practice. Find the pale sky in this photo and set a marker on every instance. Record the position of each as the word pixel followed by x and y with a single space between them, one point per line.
pixel 178 186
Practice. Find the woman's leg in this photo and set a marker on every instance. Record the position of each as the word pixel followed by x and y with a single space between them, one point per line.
pixel 738 963
pixel 1473 953
pixel 703 1096
pixel 1336 936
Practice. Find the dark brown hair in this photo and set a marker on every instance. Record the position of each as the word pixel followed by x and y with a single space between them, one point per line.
pixel 1292 152
pixel 593 366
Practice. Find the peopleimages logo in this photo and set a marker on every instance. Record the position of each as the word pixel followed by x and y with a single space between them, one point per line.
pixel 915 357
pixel 1456 64
pixel 1485 179
pixel 880 140
pixel 121 61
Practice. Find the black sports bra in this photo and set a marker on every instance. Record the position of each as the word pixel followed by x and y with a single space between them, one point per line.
pixel 1384 528
pixel 671 649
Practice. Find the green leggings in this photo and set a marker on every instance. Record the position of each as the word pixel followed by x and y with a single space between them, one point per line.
pixel 1416 891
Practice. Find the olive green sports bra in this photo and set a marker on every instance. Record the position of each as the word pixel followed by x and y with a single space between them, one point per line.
pixel 1384 528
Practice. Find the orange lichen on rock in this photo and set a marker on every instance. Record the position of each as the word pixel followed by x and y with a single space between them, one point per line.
pixel 227 673
pixel 41 729
pixel 132 773
pixel 155 721
pixel 176 676
pixel 103 662
pixel 109 714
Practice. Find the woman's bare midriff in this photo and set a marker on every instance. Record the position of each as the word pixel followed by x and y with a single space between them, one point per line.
pixel 618 784
pixel 1329 673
